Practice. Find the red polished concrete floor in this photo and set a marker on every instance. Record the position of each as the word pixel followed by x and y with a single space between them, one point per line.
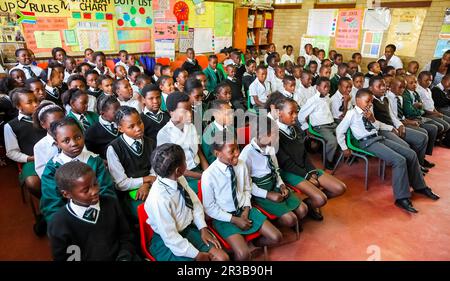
pixel 358 226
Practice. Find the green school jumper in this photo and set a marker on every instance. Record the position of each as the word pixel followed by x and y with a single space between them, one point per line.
pixel 91 117
pixel 52 200
pixel 213 78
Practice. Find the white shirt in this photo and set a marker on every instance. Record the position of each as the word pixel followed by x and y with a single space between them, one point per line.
pixel 12 144
pixel 186 138
pixel 216 190
pixel 106 71
pixel 44 150
pixel 117 171
pixel 106 123
pixel 318 109
pixel 270 74
pixel 2 70
pixel 168 214
pixel 394 61
pixel 334 70
pixel 303 94
pixel 36 69
pixel 258 165
pixel 309 58
pixel 67 75
pixel 353 120
pixel 286 57
pixel 92 102
pixel 78 211
pixel 49 90
pixel 134 87
pixel 426 96
pixel 353 94
pixel 62 158
pixel 336 102
pixel 122 64
pixel 393 115
pixel 286 93
pixel 155 77
pixel 393 103
pixel 261 90
pixel 277 84
pixel 131 103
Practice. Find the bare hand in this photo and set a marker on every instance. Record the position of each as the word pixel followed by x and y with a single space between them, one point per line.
pixel 284 191
pixel 314 181
pixel 142 192
pixel 149 179
pixel 207 237
pixel 347 153
pixel 274 196
pixel 402 131
pixel 242 223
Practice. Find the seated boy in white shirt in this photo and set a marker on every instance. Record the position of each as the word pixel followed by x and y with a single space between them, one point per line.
pixel 180 130
pixel 24 59
pixel 341 100
pixel 317 111
pixel 261 88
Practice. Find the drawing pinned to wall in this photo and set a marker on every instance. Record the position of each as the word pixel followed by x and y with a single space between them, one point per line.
pixel 321 42
pixel 223 14
pixel 404 31
pixel 348 29
pixel 70 37
pixel 165 49
pixel 186 40
pixel 377 19
pixel 43 24
pixel 165 23
pixel 95 34
pixel 371 44
pixel 134 13
pixel 322 22
pixel 135 40
pixel 165 31
pixel 443 43
pixel 201 20
pixel 10 30
pixel 203 40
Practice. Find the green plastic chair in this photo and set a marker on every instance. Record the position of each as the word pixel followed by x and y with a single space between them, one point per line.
pixel 250 107
pixel 353 145
pixel 318 137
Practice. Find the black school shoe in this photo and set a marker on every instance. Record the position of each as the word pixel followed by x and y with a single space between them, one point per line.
pixel 427 164
pixel 428 193
pixel 406 205
pixel 313 213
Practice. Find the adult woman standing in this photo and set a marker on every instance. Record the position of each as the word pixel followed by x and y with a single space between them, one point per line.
pixel 439 68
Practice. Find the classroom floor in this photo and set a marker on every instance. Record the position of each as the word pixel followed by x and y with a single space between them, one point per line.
pixel 359 225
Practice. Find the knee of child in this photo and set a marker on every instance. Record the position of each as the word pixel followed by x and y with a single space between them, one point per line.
pixel 290 219
pixel 399 161
pixel 318 200
pixel 303 210
pixel 342 188
pixel 220 255
pixel 242 254
pixel 276 236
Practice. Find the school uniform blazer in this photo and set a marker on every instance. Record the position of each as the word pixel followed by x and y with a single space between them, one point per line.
pixel 52 200
pixel 440 98
pixel 92 118
pixel 408 109
pixel 211 78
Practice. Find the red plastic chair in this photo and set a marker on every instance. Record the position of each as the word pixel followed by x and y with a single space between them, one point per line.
pixel 202 61
pixel 163 61
pixel 110 64
pixel 248 237
pixel 43 65
pixel 176 64
pixel 146 232
pixel 220 57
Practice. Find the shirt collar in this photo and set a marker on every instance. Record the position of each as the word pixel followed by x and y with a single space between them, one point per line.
pixel 287 94
pixel 78 116
pixel 191 60
pixel 79 210
pixel 270 116
pixel 283 127
pixel 220 127
pixel 104 122
pixel 93 89
pixel 440 86
pixel 222 166
pixel 266 151
pixel 21 115
pixel 129 140
pixel 50 140
pixel 231 78
pixel 173 185
pixel 358 109
pixel 49 88
pixel 146 110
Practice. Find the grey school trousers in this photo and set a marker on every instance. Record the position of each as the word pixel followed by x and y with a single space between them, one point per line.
pixel 405 166
pixel 416 139
pixel 328 132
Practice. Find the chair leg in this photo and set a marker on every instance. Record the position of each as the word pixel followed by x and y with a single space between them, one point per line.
pixel 266 254
pixel 367 173
pixel 338 162
pixel 324 152
pixel 352 159
pixel 383 169
pixel 297 230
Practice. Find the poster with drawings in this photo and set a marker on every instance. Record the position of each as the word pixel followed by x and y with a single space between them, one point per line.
pixel 186 40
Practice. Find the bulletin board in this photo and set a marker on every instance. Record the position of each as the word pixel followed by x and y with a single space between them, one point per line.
pixel 112 25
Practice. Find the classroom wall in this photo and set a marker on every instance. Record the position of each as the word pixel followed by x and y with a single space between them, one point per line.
pixel 291 24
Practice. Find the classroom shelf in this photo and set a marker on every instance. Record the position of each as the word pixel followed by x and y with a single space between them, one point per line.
pixel 253 25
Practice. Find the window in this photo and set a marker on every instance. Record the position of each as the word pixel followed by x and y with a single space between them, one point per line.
pixel 288 1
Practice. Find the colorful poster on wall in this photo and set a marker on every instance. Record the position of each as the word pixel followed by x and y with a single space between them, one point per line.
pixel 322 22
pixel 404 31
pixel 36 8
pixel 44 24
pixel 223 14
pixel 186 40
pixel 204 20
pixel 348 29
pixel 91 6
pixel 133 13
pixel 443 43
pixel 165 49
pixel 321 42
pixel 95 34
pixel 371 44
pixel 165 23
pixel 10 30
pixel 135 40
